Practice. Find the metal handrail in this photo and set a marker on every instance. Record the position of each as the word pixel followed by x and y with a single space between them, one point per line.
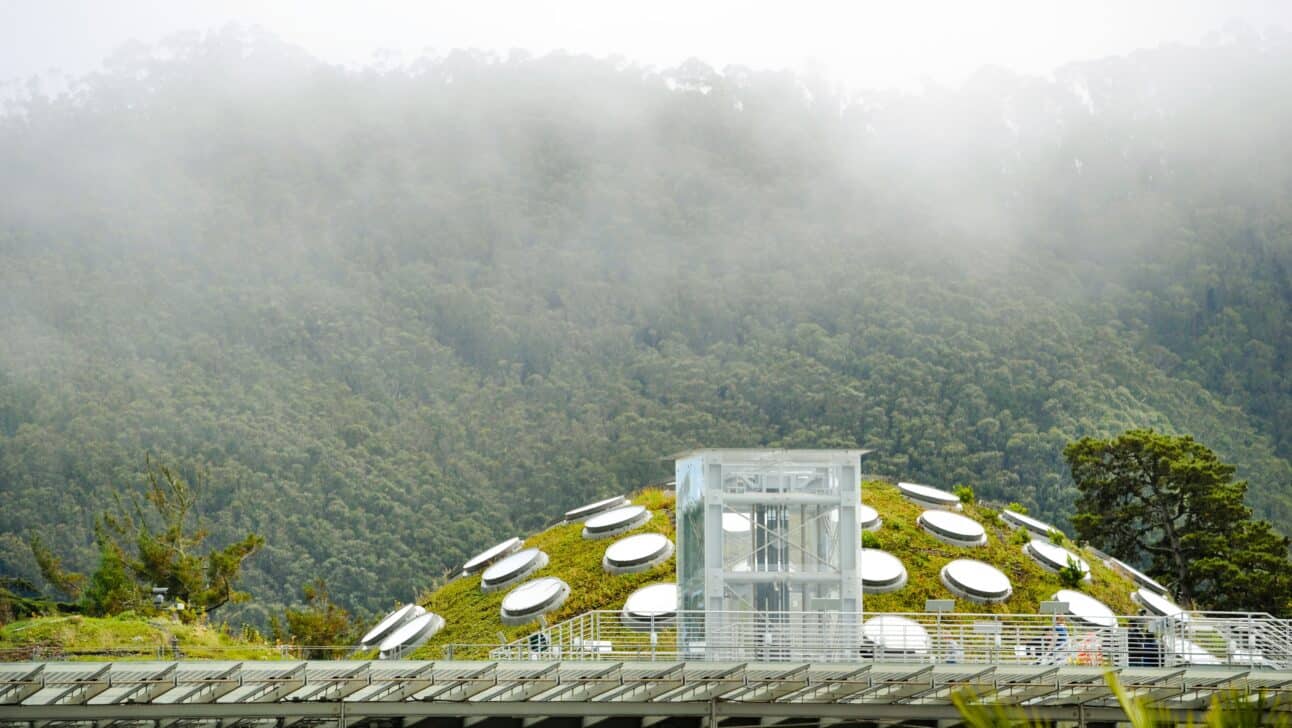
pixel 1253 640
pixel 1203 638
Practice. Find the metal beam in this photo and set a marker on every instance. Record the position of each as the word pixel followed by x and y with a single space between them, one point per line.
pixel 208 690
pixel 830 690
pixel 587 687
pixel 412 710
pixel 463 687
pixel 399 687
pixel 83 688
pixel 770 688
pixel 523 688
pixel 707 686
pixel 16 691
pixel 647 687
pixel 146 690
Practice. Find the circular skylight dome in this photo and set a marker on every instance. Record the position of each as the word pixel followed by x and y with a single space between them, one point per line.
pixel 976 581
pixel 1022 520
pixel 869 517
pixel 533 599
pixel 511 569
pixel 490 555
pixel 390 623
pixel 736 522
pixel 893 634
pixel 1085 609
pixel 595 508
pixel 1052 557
pixel 1157 604
pixel 613 523
pixel 880 571
pixel 650 606
pixel 953 528
pixel 927 495
pixel 1137 576
pixel 411 635
pixel 637 553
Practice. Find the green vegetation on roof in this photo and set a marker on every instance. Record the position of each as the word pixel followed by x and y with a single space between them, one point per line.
pixel 128 636
pixel 924 557
pixel 473 617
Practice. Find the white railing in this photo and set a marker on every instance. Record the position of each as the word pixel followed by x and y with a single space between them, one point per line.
pixel 1194 638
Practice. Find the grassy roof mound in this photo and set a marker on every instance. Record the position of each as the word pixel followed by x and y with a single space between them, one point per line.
pixel 126 636
pixel 472 616
pixel 924 556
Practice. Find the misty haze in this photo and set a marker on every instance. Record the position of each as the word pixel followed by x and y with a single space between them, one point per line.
pixel 384 316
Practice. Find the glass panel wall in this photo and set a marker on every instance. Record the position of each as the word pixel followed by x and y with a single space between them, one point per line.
pixel 767 531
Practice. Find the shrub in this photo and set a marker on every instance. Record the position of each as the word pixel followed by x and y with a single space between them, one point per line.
pixel 1070 576
pixel 964 493
pixel 1020 537
pixel 1056 537
pixel 869 540
pixel 1017 508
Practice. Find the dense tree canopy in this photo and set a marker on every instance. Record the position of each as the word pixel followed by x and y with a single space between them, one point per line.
pixel 397 315
pixel 1170 500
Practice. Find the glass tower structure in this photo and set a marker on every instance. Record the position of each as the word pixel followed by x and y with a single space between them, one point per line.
pixel 766 539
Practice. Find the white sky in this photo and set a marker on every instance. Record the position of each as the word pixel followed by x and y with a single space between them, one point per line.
pixel 861 43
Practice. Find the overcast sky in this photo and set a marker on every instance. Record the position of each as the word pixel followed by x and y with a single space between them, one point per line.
pixel 899 42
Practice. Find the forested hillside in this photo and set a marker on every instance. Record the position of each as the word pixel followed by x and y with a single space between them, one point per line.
pixel 395 315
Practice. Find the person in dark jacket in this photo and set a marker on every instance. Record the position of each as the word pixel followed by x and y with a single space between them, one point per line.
pixel 1144 649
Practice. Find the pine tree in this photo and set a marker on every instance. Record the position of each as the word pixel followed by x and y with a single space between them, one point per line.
pixel 320 624
pixel 139 550
pixel 1171 499
pixel 111 588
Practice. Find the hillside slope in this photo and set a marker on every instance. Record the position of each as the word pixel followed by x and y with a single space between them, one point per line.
pixel 396 316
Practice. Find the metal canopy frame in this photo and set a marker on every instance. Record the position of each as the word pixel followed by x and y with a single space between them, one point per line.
pixel 346 693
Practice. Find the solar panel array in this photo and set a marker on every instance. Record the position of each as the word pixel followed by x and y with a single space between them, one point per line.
pixel 401 692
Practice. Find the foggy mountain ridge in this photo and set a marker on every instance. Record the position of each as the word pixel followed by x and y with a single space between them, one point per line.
pixel 396 315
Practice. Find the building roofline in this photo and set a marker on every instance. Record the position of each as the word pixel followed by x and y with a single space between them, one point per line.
pixel 772 452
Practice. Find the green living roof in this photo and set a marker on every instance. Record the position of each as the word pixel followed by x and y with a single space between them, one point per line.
pixel 472 616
